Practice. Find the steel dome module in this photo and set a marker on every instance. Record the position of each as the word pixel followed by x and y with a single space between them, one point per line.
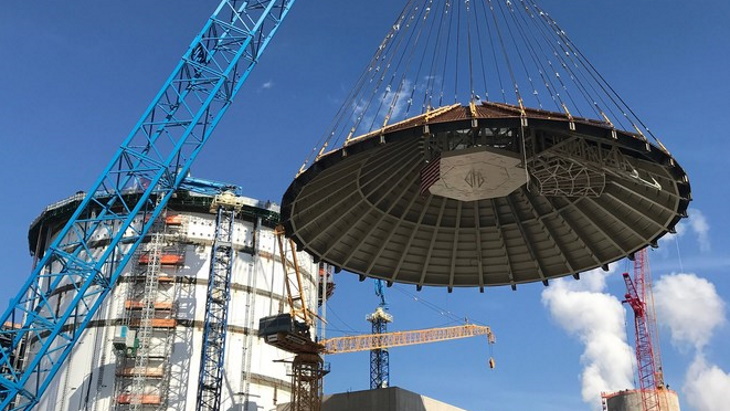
pixel 445 198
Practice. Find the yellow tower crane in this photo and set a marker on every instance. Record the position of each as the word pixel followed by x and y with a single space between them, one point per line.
pixel 367 342
pixel 291 332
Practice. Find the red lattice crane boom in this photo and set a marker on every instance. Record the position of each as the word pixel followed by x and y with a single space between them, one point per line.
pixel 648 363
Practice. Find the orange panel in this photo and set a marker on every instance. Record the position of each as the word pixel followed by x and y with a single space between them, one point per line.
pixel 156 322
pixel 175 219
pixel 150 372
pixel 138 304
pixel 165 259
pixel 142 399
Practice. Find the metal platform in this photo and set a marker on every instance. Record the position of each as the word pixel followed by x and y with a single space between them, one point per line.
pixel 445 199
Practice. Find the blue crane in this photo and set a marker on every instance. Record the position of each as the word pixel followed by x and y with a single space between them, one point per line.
pixel 212 358
pixel 380 357
pixel 150 165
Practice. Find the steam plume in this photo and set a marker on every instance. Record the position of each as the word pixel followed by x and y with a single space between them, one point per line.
pixel 596 318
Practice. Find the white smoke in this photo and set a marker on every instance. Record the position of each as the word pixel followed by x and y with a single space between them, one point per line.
pixel 692 310
pixel 597 320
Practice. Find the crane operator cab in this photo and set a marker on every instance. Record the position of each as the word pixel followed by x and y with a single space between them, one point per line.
pixel 285 332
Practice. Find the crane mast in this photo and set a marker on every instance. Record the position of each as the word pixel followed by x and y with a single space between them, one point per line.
pixel 640 298
pixel 215 326
pixel 379 357
pixel 148 168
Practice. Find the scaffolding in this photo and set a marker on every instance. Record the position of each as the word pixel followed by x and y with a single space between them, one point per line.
pixel 143 343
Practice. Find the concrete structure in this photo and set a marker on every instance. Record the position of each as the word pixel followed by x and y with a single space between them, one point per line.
pixel 630 400
pixel 104 371
pixel 384 399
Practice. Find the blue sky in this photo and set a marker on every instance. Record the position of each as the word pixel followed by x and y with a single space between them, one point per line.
pixel 77 75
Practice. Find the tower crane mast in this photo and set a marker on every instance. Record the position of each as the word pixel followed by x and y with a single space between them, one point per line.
pixel 150 165
pixel 639 297
pixel 380 357
pixel 212 358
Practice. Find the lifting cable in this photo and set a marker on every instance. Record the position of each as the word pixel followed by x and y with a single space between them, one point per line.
pixel 551 35
pixel 430 51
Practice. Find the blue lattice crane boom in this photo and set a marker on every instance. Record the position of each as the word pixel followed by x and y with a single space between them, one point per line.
pixel 148 168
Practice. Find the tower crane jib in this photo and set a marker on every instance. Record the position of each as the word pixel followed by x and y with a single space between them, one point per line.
pixel 342 345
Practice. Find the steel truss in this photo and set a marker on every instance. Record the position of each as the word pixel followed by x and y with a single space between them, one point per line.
pixel 379 357
pixel 573 167
pixel 152 161
pixel 648 363
pixel 210 380
pixel 308 370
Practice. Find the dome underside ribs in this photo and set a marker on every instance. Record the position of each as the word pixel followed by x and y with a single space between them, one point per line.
pixel 370 217
pixel 576 231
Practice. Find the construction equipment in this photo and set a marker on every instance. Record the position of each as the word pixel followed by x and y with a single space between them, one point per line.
pixel 291 332
pixel 640 298
pixel 379 357
pixel 342 345
pixel 153 161
pixel 210 381
pixel 308 366
pixel 143 346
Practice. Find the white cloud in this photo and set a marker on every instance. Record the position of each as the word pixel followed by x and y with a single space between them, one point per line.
pixel 706 386
pixel 696 224
pixel 690 307
pixel 597 320
pixel 680 229
pixel 700 227
pixel 269 84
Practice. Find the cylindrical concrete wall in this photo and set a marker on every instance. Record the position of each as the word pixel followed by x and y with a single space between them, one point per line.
pixel 630 400
pixel 96 377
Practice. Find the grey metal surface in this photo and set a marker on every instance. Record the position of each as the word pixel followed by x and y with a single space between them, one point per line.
pixel 363 207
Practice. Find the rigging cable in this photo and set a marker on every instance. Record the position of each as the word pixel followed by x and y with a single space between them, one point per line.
pixel 552 37
pixel 507 59
pixel 519 52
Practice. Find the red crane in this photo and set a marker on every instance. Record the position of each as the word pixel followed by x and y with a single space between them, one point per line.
pixel 648 362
